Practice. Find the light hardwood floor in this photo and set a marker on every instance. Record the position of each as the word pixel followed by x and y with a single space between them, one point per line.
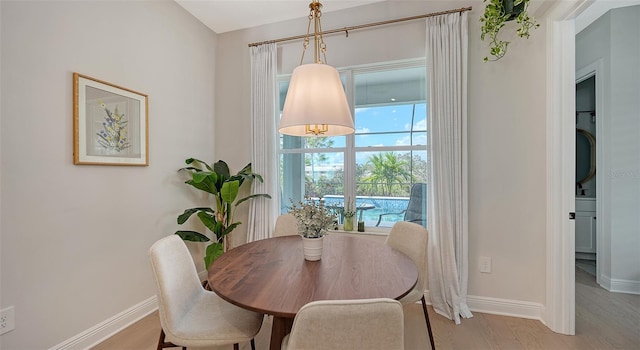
pixel 603 321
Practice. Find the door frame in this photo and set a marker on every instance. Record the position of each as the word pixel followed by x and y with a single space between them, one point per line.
pixel 559 313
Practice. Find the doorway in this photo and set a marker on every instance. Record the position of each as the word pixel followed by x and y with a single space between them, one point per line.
pixel 560 297
pixel 585 170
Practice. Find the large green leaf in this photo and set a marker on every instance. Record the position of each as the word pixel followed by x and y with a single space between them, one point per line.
pixel 198 162
pixel 229 191
pixel 201 186
pixel 247 174
pixel 214 250
pixel 221 168
pixel 246 169
pixel 206 178
pixel 187 214
pixel 192 236
pixel 258 176
pixel 209 221
pixel 203 175
pixel 230 228
pixel 239 178
pixel 252 196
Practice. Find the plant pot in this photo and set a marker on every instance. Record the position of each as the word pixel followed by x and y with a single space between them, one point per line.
pixel 312 248
pixel 512 11
pixel 348 223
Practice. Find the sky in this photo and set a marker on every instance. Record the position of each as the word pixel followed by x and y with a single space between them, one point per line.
pixel 379 126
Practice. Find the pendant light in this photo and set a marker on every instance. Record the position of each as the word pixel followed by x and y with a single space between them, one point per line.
pixel 316 104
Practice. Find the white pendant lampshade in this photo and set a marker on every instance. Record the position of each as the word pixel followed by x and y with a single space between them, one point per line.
pixel 316 104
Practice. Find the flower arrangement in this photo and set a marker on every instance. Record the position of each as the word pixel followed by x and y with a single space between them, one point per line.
pixel 113 135
pixel 349 210
pixel 313 218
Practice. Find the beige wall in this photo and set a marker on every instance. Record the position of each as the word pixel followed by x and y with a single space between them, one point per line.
pixel 507 131
pixel 75 238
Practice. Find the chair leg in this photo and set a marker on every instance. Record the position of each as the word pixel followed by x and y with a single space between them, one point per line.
pixel 205 285
pixel 253 345
pixel 160 340
pixel 162 344
pixel 426 317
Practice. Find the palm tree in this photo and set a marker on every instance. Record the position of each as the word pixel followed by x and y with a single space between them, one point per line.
pixel 311 158
pixel 387 169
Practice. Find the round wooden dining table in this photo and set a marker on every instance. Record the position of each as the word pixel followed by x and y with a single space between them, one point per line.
pixel 272 277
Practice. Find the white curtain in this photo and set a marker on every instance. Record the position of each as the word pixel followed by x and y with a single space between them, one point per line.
pixel 446 52
pixel 263 211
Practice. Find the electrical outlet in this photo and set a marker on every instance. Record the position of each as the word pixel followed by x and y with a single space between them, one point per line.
pixel 7 320
pixel 485 264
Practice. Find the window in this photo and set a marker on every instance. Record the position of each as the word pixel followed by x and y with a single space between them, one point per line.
pixel 380 162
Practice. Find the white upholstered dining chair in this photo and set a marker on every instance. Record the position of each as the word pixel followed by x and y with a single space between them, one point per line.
pixel 365 324
pixel 411 239
pixel 286 225
pixel 189 314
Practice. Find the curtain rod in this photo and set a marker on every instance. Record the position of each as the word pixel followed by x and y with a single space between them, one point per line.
pixel 375 24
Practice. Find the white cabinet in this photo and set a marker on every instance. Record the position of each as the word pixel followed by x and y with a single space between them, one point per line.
pixel 585 225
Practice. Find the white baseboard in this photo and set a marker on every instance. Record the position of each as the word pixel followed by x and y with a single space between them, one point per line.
pixel 106 329
pixel 505 307
pixel 619 286
pixel 586 256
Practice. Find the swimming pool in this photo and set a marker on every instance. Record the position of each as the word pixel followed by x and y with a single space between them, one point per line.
pixel 381 205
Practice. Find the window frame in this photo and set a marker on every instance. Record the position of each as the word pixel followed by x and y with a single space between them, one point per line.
pixel 349 150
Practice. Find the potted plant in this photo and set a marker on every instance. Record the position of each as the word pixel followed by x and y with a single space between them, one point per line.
pixel 314 220
pixel 349 214
pixel 496 14
pixel 216 180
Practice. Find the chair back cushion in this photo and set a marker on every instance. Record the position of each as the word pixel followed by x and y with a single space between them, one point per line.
pixel 177 280
pixel 366 324
pixel 286 225
pixel 411 239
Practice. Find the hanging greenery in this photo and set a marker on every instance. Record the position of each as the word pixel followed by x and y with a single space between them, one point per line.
pixel 496 14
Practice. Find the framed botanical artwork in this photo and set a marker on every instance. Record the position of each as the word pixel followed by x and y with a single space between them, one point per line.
pixel 110 124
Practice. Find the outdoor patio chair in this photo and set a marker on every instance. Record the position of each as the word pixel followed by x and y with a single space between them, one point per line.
pixel 416 209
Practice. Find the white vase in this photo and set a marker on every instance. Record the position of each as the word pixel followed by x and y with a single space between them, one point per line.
pixel 312 248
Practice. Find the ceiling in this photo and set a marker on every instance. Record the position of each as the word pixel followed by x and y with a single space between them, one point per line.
pixel 225 15
pixel 598 8
pixel 228 15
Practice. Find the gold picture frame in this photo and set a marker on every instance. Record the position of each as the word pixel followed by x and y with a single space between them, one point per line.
pixel 110 124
